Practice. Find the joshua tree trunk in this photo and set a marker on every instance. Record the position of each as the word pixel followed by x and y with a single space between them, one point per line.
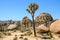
pixel 32 8
pixel 33 22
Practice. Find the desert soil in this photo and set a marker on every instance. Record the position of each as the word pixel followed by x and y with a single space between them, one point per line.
pixel 18 33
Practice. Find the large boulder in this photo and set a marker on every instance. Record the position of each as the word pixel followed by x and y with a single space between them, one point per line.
pixel 42 28
pixel 55 26
pixel 43 18
pixel 12 26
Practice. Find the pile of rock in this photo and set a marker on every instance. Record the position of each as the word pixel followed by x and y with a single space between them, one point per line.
pixel 54 27
pixel 12 26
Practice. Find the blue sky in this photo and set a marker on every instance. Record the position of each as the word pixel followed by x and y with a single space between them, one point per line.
pixel 16 9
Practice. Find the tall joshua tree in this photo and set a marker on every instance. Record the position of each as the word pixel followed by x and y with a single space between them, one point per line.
pixel 31 9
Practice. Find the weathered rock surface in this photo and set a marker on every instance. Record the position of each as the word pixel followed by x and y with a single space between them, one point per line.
pixel 12 26
pixel 42 28
pixel 55 26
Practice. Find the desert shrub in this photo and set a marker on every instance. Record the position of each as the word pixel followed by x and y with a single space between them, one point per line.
pixel 22 34
pixel 9 34
pixel 46 36
pixel 4 33
pixel 25 38
pixel 14 30
pixel 21 37
pixel 15 35
pixel 22 31
pixel 58 35
pixel 25 34
pixel 1 35
pixel 3 28
pixel 15 38
pixel 28 32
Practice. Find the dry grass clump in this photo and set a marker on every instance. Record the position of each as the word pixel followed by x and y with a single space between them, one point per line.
pixel 1 35
pixel 28 32
pixel 7 33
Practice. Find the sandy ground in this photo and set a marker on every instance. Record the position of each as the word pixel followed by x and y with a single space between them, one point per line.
pixel 18 33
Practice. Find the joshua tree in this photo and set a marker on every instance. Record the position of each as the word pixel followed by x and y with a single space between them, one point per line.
pixel 31 9
pixel 11 21
pixel 25 21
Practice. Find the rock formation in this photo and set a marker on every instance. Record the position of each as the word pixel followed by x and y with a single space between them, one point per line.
pixel 42 28
pixel 43 18
pixel 55 26
pixel 12 26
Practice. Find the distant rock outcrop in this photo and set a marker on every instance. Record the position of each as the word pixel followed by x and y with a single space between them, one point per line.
pixel 43 18
pixel 55 26
pixel 42 28
pixel 12 26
